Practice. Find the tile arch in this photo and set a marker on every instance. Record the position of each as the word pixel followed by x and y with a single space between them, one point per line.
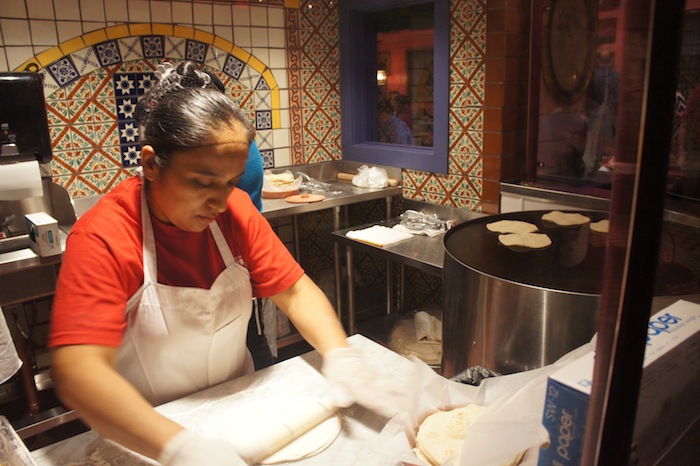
pixel 82 55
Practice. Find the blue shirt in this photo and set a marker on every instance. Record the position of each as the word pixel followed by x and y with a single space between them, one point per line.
pixel 252 179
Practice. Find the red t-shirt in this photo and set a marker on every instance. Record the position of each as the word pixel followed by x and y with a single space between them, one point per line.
pixel 103 263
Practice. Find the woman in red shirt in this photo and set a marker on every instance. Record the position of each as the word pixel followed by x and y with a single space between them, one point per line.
pixel 153 298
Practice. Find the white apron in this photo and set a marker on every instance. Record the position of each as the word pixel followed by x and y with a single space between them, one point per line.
pixel 180 340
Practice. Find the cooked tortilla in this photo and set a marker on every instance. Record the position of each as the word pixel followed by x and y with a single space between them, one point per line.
pixel 511 226
pixel 280 180
pixel 602 226
pixel 441 435
pixel 565 219
pixel 525 240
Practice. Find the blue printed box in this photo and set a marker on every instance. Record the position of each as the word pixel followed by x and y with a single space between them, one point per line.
pixel 667 404
pixel 44 238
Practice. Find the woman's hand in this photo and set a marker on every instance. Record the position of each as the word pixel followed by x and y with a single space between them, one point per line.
pixel 188 448
pixel 353 379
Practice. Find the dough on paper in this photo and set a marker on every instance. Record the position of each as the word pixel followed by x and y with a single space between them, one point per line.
pixel 441 435
pixel 525 240
pixel 565 219
pixel 602 226
pixel 511 226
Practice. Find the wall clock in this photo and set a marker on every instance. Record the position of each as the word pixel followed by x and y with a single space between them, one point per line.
pixel 568 47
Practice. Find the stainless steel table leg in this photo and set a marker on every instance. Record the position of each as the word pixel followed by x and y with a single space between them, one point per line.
pixel 389 287
pixel 402 287
pixel 297 250
pixel 351 290
pixel 338 266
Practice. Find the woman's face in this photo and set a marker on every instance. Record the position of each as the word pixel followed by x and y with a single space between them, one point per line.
pixel 192 189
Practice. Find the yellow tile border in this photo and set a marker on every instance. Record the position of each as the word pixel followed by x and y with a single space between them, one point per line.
pixel 269 79
pixel 256 64
pixel 241 54
pixel 203 36
pixel 95 37
pixel 182 31
pixel 162 29
pixel 139 29
pixel 49 56
pixel 223 44
pixel 116 32
pixel 72 45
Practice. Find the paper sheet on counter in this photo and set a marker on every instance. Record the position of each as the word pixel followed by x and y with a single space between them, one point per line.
pixel 378 235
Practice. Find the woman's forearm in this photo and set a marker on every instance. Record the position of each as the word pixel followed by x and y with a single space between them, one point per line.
pixel 85 380
pixel 312 315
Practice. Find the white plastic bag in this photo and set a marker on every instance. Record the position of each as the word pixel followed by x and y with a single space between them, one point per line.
pixel 371 177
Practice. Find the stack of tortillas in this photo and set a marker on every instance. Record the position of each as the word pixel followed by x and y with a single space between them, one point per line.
pixel 519 234
pixel 441 435
pixel 279 185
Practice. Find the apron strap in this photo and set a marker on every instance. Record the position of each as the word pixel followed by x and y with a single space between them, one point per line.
pixel 150 264
pixel 221 243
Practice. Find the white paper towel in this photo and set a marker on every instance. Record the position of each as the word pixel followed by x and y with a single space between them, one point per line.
pixel 20 180
pixel 9 361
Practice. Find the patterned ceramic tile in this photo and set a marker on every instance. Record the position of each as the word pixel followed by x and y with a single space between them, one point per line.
pixel 249 78
pixel 263 100
pixel 263 119
pixel 175 47
pixel 153 46
pixel 233 67
pixel 85 60
pixel 63 71
pixel 264 140
pixel 196 51
pixel 108 53
pixel 216 58
pixel 268 158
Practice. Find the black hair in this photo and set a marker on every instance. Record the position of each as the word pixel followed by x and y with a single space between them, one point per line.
pixel 184 109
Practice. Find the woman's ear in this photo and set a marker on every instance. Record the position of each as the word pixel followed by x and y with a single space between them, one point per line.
pixel 148 162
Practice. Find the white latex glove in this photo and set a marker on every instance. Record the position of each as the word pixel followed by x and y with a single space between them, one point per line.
pixel 353 380
pixel 188 449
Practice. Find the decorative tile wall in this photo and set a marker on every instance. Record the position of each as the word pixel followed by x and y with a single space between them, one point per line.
pixel 92 81
pixel 280 63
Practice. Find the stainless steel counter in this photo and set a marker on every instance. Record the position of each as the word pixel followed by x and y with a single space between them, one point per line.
pixel 341 193
pixel 421 252
pixel 203 412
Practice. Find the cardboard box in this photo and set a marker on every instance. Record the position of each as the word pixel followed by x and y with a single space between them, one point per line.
pixel 668 400
pixel 44 237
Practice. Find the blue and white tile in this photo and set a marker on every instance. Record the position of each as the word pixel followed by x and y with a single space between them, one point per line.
pixel 85 60
pixel 263 100
pixel 108 53
pixel 196 51
pixel 63 71
pixel 264 139
pixel 130 48
pixel 175 47
pixel 216 58
pixel 263 119
pixel 153 46
pixel 249 78
pixel 233 67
